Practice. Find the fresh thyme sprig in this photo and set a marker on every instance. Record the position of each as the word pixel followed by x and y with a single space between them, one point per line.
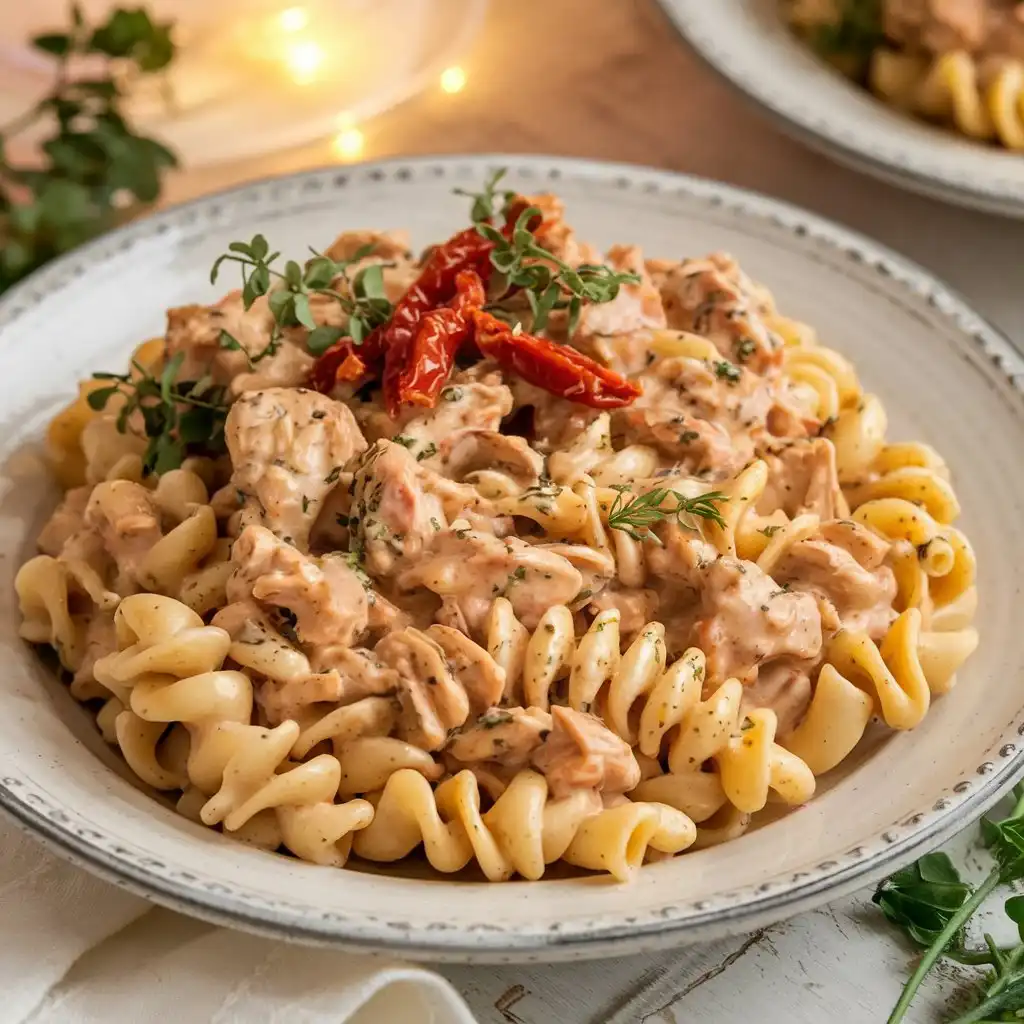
pixel 522 263
pixel 931 903
pixel 180 418
pixel 365 301
pixel 637 516
pixel 485 208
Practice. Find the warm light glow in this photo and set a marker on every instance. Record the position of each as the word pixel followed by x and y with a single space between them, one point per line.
pixel 348 143
pixel 304 59
pixel 453 79
pixel 294 19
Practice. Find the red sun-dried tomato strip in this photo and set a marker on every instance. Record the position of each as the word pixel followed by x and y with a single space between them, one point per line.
pixel 560 369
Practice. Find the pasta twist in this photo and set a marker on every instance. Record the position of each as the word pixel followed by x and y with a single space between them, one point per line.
pixel 167 669
pixel 43 586
pixel 654 708
pixel 952 89
pixel 521 833
pixel 897 678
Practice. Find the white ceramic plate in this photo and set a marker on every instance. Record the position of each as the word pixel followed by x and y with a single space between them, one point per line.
pixel 946 376
pixel 747 43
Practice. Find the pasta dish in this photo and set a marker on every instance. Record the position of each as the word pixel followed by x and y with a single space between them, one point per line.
pixel 509 552
pixel 957 62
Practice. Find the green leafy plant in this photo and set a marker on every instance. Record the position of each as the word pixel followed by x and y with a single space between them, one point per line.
pixel 364 300
pixel 637 516
pixel 92 170
pixel 180 418
pixel 933 905
pixel 523 264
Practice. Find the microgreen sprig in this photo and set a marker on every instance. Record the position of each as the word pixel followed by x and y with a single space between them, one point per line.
pixel 364 300
pixel 180 418
pixel 549 284
pixel 932 904
pixel 637 516
pixel 485 203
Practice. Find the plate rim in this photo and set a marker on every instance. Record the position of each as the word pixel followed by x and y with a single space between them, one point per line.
pixel 988 198
pixel 897 845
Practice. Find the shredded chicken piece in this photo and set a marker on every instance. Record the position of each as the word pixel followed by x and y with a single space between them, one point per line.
pixel 393 515
pixel 803 478
pixel 473 568
pixel 713 298
pixel 937 26
pixel 198 333
pixel 503 736
pixel 477 672
pixel 747 619
pixel 615 332
pixel 555 234
pixel 288 367
pixel 583 753
pixel 464 405
pixel 288 447
pixel 635 607
pixel 849 595
pixel 288 700
pixel 321 600
pixel 867 547
pixel 125 516
pixel 433 702
pixel 784 689
pixel 707 416
pixel 67 521
pixel 386 245
pixel 472 451
pixel 363 674
pixel 100 640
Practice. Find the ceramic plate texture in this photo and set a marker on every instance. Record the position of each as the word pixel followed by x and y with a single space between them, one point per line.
pixel 747 43
pixel 947 378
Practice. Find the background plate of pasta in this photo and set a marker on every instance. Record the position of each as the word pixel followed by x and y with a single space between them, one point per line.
pixel 929 97
pixel 374 537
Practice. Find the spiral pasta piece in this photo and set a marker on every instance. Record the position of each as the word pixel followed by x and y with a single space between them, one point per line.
pixel 168 669
pixel 655 707
pixel 951 90
pixel 43 586
pixel 521 833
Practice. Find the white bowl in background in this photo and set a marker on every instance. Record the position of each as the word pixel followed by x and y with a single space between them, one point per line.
pixel 748 43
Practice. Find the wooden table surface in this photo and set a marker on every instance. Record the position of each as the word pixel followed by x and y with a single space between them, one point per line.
pixel 610 79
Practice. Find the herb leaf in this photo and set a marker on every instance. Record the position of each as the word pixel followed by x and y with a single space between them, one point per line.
pixel 180 418
pixel 638 515
pixel 288 291
pixel 930 902
pixel 522 264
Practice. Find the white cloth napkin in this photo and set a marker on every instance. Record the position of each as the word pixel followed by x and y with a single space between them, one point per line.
pixel 75 950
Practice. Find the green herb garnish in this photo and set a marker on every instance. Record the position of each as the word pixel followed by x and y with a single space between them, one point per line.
pixel 636 517
pixel 932 904
pixel 364 301
pixel 515 257
pixel 724 370
pixel 180 418
pixel 857 32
